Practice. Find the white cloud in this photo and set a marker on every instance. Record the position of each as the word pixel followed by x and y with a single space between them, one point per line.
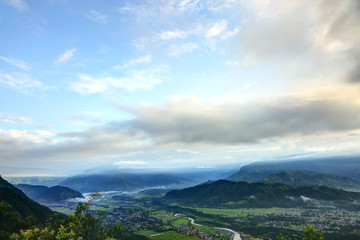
pixel 187 151
pixel 18 4
pixel 141 60
pixel 32 136
pixel 17 63
pixel 95 16
pixel 66 55
pixel 217 29
pixel 21 81
pixel 7 118
pixel 176 50
pixel 169 35
pixel 137 80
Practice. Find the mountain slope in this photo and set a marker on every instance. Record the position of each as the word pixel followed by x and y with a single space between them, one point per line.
pixel 304 177
pixel 225 192
pixel 345 166
pixel 21 203
pixel 119 182
pixel 45 194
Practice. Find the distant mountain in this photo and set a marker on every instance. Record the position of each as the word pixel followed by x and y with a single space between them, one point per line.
pixel 43 181
pixel 225 192
pixel 304 177
pixel 45 194
pixel 21 203
pixel 120 181
pixel 345 166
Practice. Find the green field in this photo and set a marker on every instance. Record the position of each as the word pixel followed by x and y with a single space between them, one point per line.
pixel 169 235
pixel 63 210
pixel 240 211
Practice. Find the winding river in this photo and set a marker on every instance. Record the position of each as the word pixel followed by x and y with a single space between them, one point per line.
pixel 236 234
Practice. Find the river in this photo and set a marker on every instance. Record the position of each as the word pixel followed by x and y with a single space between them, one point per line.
pixel 236 234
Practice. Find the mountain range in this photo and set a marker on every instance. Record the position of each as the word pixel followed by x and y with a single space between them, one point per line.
pixel 46 195
pixel 246 194
pixel 342 165
pixel 306 178
pixel 21 203
pixel 120 181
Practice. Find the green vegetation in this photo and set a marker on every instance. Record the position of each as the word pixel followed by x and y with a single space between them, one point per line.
pixel 64 210
pixel 309 233
pixel 224 193
pixel 21 203
pixel 80 225
pixel 11 221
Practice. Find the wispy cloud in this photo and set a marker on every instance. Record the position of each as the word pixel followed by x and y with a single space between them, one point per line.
pixel 95 16
pixel 136 80
pixel 169 35
pixel 176 50
pixel 67 55
pixel 17 63
pixel 21 82
pixel 18 4
pixel 141 60
pixel 8 118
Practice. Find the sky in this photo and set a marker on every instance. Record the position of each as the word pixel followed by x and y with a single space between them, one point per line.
pixel 167 84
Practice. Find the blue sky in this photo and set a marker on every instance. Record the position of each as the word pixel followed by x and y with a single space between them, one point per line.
pixel 175 84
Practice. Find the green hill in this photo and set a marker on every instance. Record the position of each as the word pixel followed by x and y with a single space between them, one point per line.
pixel 45 194
pixel 120 181
pixel 225 192
pixel 21 203
pixel 304 177
pixel 345 166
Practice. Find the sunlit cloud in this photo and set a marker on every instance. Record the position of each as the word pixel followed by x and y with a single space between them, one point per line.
pixel 9 118
pixel 217 29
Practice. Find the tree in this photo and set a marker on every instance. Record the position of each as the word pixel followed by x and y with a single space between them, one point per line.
pixel 80 225
pixel 11 221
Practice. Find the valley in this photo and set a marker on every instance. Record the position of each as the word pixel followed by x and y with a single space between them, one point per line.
pixel 153 218
pixel 165 206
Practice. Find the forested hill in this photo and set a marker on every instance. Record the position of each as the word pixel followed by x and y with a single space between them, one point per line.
pixel 21 203
pixel 225 192
pixel 343 165
pixel 303 178
pixel 45 194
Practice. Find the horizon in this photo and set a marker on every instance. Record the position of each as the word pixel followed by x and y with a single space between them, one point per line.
pixel 191 84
